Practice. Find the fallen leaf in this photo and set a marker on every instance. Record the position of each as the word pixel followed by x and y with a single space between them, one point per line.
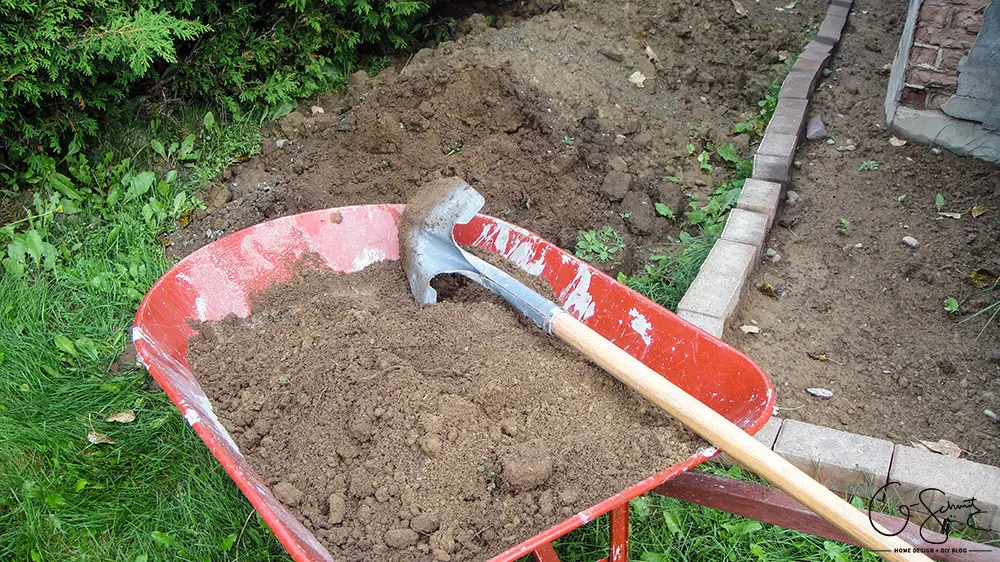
pixel 98 438
pixel 943 447
pixel 739 8
pixel 651 55
pixel 127 416
pixel 823 393
pixel 950 215
pixel 982 278
pixel 773 291
pixel 750 329
pixel 977 211
pixel 637 78
pixel 783 55
pixel 819 356
pixel 896 141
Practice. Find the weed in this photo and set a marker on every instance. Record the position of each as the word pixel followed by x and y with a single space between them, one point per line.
pixel 939 202
pixel 674 179
pixel 568 141
pixel 901 198
pixel 664 211
pixel 756 123
pixel 668 276
pixel 844 227
pixel 868 166
pixel 951 304
pixel 689 148
pixel 990 311
pixel 599 245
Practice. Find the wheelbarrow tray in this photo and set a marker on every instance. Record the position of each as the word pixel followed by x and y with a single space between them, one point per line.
pixel 220 279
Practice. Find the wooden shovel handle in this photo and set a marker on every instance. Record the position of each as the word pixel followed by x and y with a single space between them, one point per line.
pixel 732 440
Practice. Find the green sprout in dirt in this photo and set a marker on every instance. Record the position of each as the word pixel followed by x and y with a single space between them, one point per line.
pixel 568 141
pixel 951 305
pixel 939 202
pixel 756 123
pixel 868 166
pixel 664 211
pixel 844 227
pixel 599 245
pixel 990 311
pixel 674 179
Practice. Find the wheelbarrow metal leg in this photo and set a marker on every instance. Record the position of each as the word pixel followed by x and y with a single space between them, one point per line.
pixel 546 553
pixel 619 534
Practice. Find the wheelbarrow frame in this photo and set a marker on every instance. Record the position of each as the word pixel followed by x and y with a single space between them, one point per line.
pixel 220 279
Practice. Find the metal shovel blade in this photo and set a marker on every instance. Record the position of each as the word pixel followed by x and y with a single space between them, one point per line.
pixel 427 249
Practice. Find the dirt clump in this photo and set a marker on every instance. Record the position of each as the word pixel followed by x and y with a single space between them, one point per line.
pixel 441 432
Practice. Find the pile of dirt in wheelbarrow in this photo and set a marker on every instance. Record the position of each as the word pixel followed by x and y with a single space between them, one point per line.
pixel 446 432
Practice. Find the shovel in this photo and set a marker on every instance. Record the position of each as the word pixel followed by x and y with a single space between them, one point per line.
pixel 428 249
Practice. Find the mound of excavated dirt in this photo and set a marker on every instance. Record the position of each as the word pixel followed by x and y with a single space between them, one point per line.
pixel 539 115
pixel 401 432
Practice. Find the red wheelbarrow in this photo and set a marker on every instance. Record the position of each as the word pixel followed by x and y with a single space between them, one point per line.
pixel 219 279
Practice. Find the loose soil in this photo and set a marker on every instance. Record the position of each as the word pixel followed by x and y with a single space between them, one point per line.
pixel 902 368
pixel 404 432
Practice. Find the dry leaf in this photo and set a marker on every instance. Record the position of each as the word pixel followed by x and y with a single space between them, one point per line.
pixel 653 58
pixel 637 78
pixel 773 291
pixel 750 329
pixel 982 278
pixel 943 447
pixel 977 211
pixel 896 141
pixel 127 416
pixel 98 438
pixel 739 8
pixel 784 55
pixel 950 215
pixel 819 356
pixel 823 393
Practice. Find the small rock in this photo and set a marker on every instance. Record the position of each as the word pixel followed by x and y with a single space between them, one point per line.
pixel 703 100
pixel 903 382
pixel 910 241
pixel 770 252
pixel 358 78
pixel 346 124
pixel 935 151
pixel 400 538
pixel 618 164
pixel 526 468
pixel 775 258
pixel 425 523
pixel 338 507
pixel 750 329
pixel 816 128
pixel 991 415
pixel 859 245
pixel 797 164
pixel 613 53
pixel 827 72
pixel 831 141
pixel 641 218
pixel 316 110
pixel 288 494
pixel 637 78
pixel 508 426
pixel 792 198
pixel 616 185
pixel 821 393
pixel 280 143
pixel 846 148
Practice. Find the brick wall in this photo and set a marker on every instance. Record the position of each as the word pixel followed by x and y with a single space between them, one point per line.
pixel 945 31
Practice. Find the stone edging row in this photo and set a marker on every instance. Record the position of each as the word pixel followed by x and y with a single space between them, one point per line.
pixel 844 462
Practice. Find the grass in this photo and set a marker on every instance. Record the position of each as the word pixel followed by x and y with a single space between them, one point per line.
pixel 664 529
pixel 156 493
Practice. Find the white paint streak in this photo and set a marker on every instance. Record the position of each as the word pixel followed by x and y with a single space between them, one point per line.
pixel 641 325
pixel 192 417
pixel 503 236
pixel 201 308
pixel 578 298
pixel 583 518
pixel 484 235
pixel 367 257
pixel 708 451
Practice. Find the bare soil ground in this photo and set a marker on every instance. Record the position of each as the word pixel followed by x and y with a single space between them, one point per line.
pixel 540 116
pixel 902 368
pixel 408 432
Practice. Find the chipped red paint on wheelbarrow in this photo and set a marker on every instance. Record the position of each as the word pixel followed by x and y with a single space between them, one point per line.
pixel 220 278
